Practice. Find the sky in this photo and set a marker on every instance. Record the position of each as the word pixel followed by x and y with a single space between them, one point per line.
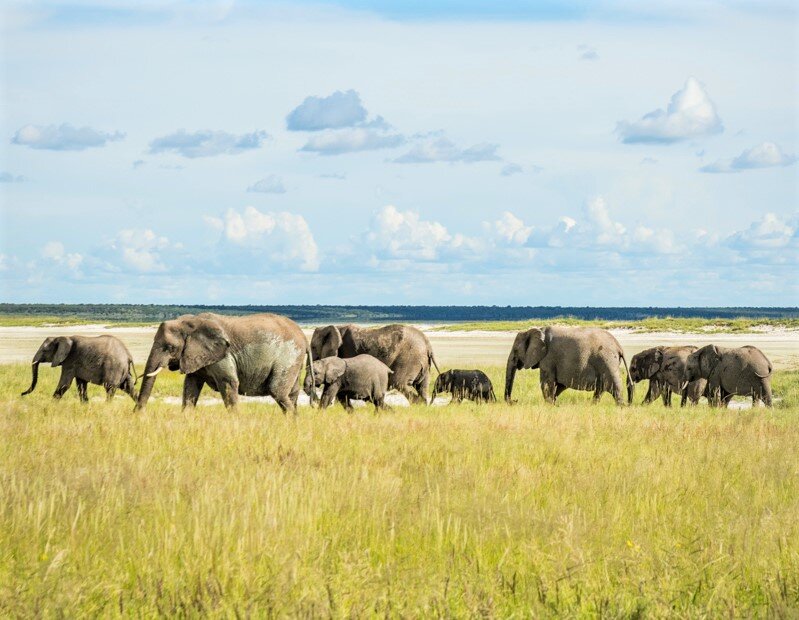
pixel 350 152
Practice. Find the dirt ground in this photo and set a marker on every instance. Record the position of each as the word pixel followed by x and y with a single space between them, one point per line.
pixel 472 349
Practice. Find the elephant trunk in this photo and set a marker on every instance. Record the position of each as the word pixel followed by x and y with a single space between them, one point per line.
pixel 510 374
pixel 151 369
pixel 35 371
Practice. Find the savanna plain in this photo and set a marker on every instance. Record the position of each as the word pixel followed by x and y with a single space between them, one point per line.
pixel 491 510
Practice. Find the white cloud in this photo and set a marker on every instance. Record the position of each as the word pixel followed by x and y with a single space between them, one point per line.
pixel 63 137
pixel 139 249
pixel 403 234
pixel 690 114
pixel 271 184
pixel 7 177
pixel 440 148
pixel 587 52
pixel 764 155
pixel 54 251
pixel 341 109
pixel 353 140
pixel 511 169
pixel 280 239
pixel 768 233
pixel 508 230
pixel 207 143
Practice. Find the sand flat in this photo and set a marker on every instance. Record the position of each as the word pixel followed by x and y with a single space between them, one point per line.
pixel 473 348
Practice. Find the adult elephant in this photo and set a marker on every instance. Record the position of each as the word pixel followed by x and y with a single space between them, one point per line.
pixel 744 371
pixel 581 358
pixel 254 355
pixel 665 368
pixel 404 349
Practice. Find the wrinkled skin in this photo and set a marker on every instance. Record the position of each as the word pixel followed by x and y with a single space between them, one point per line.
pixel 362 377
pixel 744 371
pixel 102 360
pixel 404 349
pixel 254 355
pixel 665 368
pixel 581 358
pixel 470 384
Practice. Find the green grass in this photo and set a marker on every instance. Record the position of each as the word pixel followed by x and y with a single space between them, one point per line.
pixel 658 324
pixel 530 510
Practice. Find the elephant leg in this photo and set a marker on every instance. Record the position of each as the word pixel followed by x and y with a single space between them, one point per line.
pixel 82 391
pixel 192 386
pixel 63 384
pixel 329 395
pixel 110 392
pixel 129 387
pixel 667 393
pixel 295 393
pixel 421 386
pixel 549 389
pixel 683 397
pixel 766 396
pixel 725 399
pixel 230 393
pixel 344 399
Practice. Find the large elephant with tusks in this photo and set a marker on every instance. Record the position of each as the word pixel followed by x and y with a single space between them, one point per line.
pixel 254 355
pixel 581 358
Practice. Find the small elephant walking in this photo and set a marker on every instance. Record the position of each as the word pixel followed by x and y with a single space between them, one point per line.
pixel 665 368
pixel 362 377
pixel 470 384
pixel 102 360
pixel 744 371
pixel 403 348
pixel 581 358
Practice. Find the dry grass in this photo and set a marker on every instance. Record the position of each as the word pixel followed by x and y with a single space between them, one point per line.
pixel 528 510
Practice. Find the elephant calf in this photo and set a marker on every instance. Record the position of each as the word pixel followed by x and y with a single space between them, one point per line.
pixel 102 360
pixel 362 377
pixel 470 384
pixel 664 367
pixel 744 371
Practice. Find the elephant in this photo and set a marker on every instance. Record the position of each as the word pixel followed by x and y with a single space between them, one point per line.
pixel 102 360
pixel 403 348
pixel 253 355
pixel 664 367
pixel 582 358
pixel 471 384
pixel 362 377
pixel 744 371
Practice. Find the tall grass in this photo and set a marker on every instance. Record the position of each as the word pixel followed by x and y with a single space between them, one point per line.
pixel 529 510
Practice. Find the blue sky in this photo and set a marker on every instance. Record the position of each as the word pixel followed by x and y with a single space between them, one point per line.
pixel 544 153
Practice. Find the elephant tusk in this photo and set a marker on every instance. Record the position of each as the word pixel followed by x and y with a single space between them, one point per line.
pixel 154 372
pixel 684 385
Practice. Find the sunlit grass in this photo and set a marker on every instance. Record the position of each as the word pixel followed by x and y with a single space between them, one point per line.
pixel 528 510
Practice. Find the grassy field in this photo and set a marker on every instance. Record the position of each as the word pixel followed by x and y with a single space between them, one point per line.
pixel 528 510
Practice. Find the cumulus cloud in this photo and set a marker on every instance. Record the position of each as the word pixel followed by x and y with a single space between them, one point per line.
pixel 353 140
pixel 271 184
pixel 764 155
pixel 207 143
pixel 689 114
pixel 139 250
pixel 341 109
pixel 587 52
pixel 508 229
pixel 253 238
pixel 440 148
pixel 770 232
pixel 7 177
pixel 403 234
pixel 54 252
pixel 511 169
pixel 63 137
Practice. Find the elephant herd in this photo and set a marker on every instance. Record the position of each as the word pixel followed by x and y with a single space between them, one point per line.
pixel 264 355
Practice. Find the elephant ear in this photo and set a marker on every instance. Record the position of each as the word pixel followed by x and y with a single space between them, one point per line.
pixel 205 345
pixel 63 348
pixel 329 339
pixel 709 356
pixel 536 348
pixel 334 370
pixel 655 362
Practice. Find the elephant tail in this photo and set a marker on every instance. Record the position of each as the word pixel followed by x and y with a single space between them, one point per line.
pixel 132 370
pixel 630 383
pixel 309 370
pixel 431 359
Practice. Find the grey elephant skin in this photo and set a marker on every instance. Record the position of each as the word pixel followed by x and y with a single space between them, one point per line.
pixel 102 360
pixel 254 355
pixel 744 371
pixel 469 384
pixel 580 358
pixel 362 377
pixel 665 368
pixel 403 348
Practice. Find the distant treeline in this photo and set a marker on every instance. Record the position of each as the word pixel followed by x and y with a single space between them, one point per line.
pixel 152 313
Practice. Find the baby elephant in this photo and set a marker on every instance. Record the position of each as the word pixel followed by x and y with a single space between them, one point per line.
pixel 362 377
pixel 744 371
pixel 664 367
pixel 102 360
pixel 470 384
